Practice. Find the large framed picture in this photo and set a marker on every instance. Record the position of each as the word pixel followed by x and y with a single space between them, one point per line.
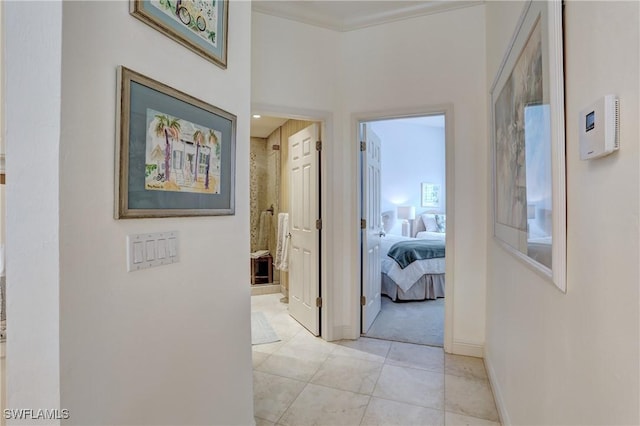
pixel 175 154
pixel 527 100
pixel 199 25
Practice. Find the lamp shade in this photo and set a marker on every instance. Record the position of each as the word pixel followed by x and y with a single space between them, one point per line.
pixel 406 212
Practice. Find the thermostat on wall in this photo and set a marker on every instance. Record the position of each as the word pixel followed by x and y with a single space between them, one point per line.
pixel 600 128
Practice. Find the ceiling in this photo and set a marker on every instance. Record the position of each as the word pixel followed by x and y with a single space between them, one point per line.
pixel 262 127
pixel 348 15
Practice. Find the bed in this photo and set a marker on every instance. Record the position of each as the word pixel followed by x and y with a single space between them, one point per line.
pixel 422 279
pixel 539 241
pixel 540 250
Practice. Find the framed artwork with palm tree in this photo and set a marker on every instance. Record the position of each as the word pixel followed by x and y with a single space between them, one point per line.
pixel 199 25
pixel 175 153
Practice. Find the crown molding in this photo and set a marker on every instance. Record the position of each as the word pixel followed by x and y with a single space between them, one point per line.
pixel 333 15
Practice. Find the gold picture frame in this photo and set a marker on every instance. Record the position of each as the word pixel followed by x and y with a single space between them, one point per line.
pixel 199 25
pixel 175 154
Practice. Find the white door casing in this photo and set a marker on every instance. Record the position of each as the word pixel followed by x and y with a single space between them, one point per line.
pixel 305 237
pixel 371 206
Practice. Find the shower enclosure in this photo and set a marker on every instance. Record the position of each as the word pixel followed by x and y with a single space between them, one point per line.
pixel 265 205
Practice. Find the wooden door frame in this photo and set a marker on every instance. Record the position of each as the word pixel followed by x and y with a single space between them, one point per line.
pixel 325 120
pixel 356 120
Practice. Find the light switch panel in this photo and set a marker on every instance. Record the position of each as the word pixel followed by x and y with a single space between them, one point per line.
pixel 162 248
pixel 173 247
pixel 153 249
pixel 138 250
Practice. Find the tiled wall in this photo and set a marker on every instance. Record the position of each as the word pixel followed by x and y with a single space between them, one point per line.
pixel 269 183
pixel 265 189
pixel 273 189
pixel 257 186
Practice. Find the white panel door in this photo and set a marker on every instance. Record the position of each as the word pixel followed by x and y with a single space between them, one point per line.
pixel 371 262
pixel 305 238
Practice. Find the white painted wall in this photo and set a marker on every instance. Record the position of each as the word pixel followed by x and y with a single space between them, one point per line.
pixel 295 70
pixel 411 154
pixel 430 60
pixel 32 107
pixel 3 228
pixel 286 56
pixel 3 222
pixel 577 354
pixel 169 345
pixel 412 64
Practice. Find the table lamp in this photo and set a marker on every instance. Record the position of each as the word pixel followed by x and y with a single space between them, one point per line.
pixel 408 215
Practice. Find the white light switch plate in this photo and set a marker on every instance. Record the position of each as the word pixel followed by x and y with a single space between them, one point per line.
pixel 152 249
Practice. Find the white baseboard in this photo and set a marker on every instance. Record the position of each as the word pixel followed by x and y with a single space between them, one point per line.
pixel 257 290
pixel 497 392
pixel 467 349
pixel 340 333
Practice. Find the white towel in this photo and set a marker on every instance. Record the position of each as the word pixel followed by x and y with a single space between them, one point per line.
pixel 264 229
pixel 282 248
pixel 260 253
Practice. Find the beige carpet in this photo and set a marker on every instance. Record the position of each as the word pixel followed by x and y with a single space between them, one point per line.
pixel 412 322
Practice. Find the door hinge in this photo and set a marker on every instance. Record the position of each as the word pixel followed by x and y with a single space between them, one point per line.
pixel 319 302
pixel 319 224
pixel 363 300
pixel 363 146
pixel 363 223
pixel 318 145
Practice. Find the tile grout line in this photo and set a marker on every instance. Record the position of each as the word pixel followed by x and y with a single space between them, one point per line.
pixel 341 390
pixel 307 383
pixel 370 396
pixel 443 410
pixel 467 378
pixel 375 384
pixel 365 409
pixel 281 376
pixel 277 422
pixel 444 387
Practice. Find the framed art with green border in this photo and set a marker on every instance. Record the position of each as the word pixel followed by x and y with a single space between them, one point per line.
pixel 199 25
pixel 175 154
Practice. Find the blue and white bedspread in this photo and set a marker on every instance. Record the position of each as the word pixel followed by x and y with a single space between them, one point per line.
pixel 406 277
pixel 407 252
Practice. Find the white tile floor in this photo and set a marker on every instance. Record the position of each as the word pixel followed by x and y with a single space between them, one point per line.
pixel 303 380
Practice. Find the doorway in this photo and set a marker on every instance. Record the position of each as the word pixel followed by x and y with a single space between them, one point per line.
pixel 405 197
pixel 295 193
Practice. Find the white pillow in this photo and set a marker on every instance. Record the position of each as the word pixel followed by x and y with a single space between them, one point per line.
pixel 432 236
pixel 441 222
pixel 429 221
